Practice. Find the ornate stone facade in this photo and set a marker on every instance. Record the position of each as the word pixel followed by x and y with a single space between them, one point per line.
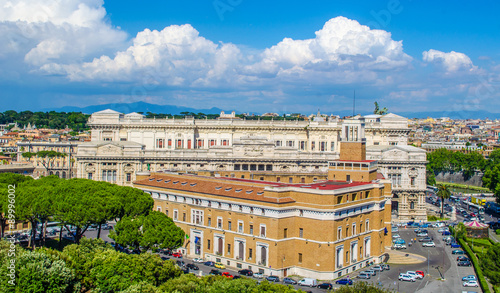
pixel 123 145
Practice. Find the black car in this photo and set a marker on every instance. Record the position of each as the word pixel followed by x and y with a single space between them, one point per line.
pixel 325 286
pixel 245 272
pixel 236 277
pixel 185 270
pixel 209 263
pixel 215 272
pixel 164 258
pixel 463 258
pixel 273 278
pixel 464 263
pixel 287 280
pixel 192 266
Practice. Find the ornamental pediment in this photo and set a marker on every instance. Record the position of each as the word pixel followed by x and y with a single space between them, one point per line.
pixel 109 149
pixel 395 155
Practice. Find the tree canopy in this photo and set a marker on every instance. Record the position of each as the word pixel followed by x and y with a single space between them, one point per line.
pixel 55 120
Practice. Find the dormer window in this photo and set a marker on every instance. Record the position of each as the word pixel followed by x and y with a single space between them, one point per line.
pixel 175 182
pixel 238 190
pixel 184 183
pixel 228 189
pixel 249 191
pixel 218 187
pixel 193 184
pixel 151 179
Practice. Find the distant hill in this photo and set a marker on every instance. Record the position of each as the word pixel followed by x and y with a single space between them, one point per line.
pixel 137 107
pixel 169 109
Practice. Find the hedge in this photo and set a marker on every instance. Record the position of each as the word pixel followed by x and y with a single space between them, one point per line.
pixel 477 268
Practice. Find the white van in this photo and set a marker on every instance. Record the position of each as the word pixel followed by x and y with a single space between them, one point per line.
pixel 308 282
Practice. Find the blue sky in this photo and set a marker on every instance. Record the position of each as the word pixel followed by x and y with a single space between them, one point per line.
pixel 253 56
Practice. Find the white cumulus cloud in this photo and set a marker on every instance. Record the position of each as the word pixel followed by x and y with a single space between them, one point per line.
pixel 451 62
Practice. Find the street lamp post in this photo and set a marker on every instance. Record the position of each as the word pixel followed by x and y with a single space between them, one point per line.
pixel 427 262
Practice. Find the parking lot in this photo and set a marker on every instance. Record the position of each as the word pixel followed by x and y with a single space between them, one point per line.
pixel 441 263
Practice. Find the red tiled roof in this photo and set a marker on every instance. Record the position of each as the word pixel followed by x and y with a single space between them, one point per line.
pixel 212 186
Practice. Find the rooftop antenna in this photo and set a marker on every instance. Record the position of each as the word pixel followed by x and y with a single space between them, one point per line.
pixel 354 104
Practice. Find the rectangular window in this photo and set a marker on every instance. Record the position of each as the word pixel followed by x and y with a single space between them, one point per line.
pixel 229 226
pixel 240 227
pixel 197 217
pixel 213 142
pixel 189 144
pixel 160 143
pixel 251 229
pixel 208 244
pixel 301 232
pixel 176 214
pixel 285 233
pixel 169 143
pixel 89 176
pixel 184 217
pixel 209 222
pixel 346 232
pixel 354 196
pixel 302 145
pixel 339 233
pixel 219 223
pixel 263 231
pixel 179 144
pixel 300 257
pixel 200 143
pixel 250 253
pixel 229 249
pixel 367 227
pixel 353 229
pixel 290 180
pixel 290 143
pixel 313 145
pixel 225 142
pixel 322 146
pixel 278 143
pixel 129 177
pixel 278 179
pixel 332 146
pixel 339 199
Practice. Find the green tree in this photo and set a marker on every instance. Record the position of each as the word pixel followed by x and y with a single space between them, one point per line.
pixel 42 271
pixel 155 229
pixel 6 180
pixel 443 193
pixel 361 287
pixel 115 271
pixel 490 264
pixel 430 177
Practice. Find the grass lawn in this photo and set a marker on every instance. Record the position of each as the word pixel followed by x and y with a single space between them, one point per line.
pixel 463 186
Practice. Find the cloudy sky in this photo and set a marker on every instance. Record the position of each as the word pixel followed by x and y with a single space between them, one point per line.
pixel 252 56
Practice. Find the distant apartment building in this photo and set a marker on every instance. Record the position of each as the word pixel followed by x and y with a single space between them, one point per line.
pixel 64 167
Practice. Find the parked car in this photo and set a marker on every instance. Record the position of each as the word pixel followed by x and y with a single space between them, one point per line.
pixel 192 267
pixel 422 234
pixel 371 272
pixel 327 286
pixel 245 272
pixel 395 236
pixel 287 280
pixel 219 265
pixel 273 278
pixel 164 258
pixel 445 233
pixel 386 266
pixel 457 251
pixel 421 273
pixel 227 275
pixel 405 277
pixel 463 258
pixel 177 254
pixel 215 272
pixel 378 268
pixel 209 263
pixel 414 274
pixel 258 275
pixel 308 282
pixel 363 276
pixel 470 284
pixel 399 246
pixel 469 278
pixel 464 263
pixel 343 282
pixel 429 244
pixel 454 245
pixel 198 260
pixel 180 263
pixel 425 239
pixel 236 277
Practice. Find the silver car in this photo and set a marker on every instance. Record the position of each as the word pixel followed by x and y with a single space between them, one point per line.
pixel 363 276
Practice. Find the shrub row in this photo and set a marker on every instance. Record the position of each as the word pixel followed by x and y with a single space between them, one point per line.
pixel 477 268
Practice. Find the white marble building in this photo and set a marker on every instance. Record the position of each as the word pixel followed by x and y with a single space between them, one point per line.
pixel 122 145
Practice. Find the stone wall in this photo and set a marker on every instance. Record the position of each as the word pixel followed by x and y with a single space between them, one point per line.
pixel 458 177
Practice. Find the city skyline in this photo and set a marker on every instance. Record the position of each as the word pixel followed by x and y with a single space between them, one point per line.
pixel 267 57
